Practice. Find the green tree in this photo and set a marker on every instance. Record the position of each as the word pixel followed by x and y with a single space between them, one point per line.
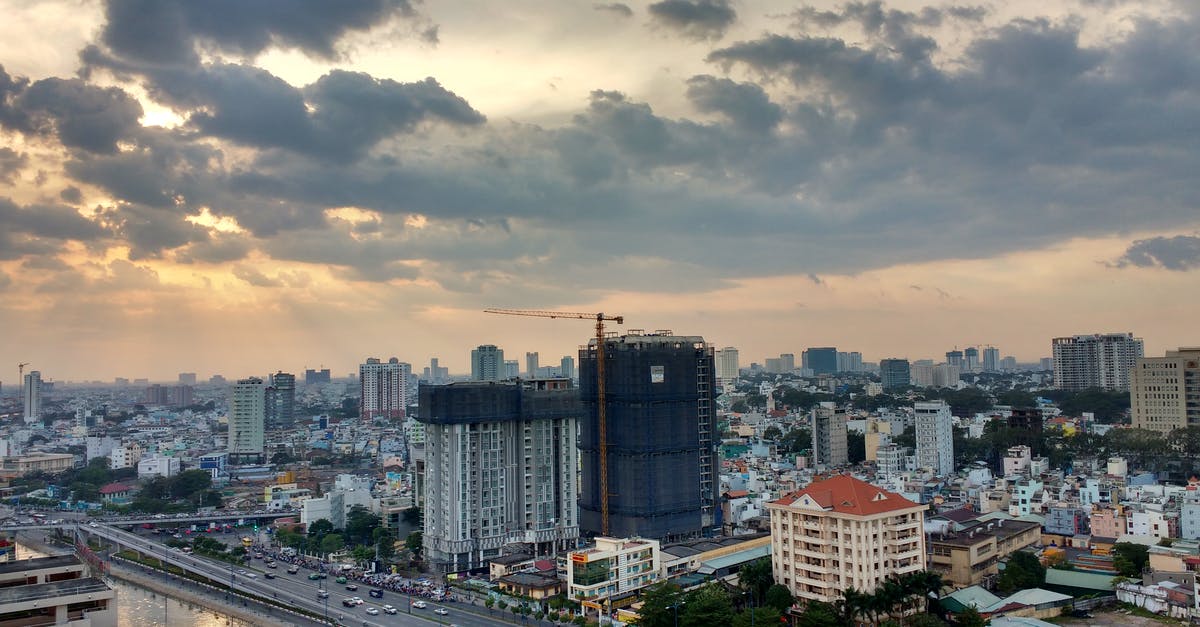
pixel 971 617
pixel 907 438
pixel 739 407
pixel 332 543
pixel 319 528
pixel 190 483
pixel 661 603
pixel 360 522
pixel 1016 398
pixel 796 440
pixel 412 516
pixel 1022 572
pixel 818 614
pixel 757 617
pixel 709 605
pixel 414 541
pixel 1130 559
pixel 779 597
pixel 772 433
pixel 282 457
pixel 756 578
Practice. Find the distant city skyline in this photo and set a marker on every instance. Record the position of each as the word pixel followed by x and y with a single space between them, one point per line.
pixel 211 188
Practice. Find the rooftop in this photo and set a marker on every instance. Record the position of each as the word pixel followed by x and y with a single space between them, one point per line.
pixel 38 563
pixel 53 589
pixel 846 495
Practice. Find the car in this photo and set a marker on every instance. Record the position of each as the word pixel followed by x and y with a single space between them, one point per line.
pixel 314 576
pixel 357 600
pixel 322 594
pixel 347 603
pixel 242 571
pixel 387 609
pixel 92 524
pixel 177 536
pixel 373 611
pixel 340 580
pixel 441 611
pixel 251 576
pixel 376 592
pixel 269 575
pixel 420 605
pixel 272 565
pixel 351 587
pixel 292 570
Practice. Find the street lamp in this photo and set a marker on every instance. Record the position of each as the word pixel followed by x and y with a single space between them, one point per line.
pixel 675 608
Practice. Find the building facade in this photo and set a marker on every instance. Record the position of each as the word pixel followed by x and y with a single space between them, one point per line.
pixel 384 387
pixel 32 395
pixel 1095 361
pixel 829 437
pixel 247 418
pixel 843 533
pixel 612 571
pixel 821 360
pixel 487 363
pixel 894 374
pixel 281 400
pixel 500 464
pixel 661 458
pixel 1164 392
pixel 935 437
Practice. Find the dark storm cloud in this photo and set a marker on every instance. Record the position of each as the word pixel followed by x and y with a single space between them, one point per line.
pixel 217 248
pixel 49 221
pixel 1181 252
pixel 695 19
pixel 82 115
pixel 616 8
pixel 11 163
pixel 745 104
pixel 168 31
pixel 71 194
pixel 150 231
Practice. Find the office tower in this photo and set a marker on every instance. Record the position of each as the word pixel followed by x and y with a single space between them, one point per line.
pixel 32 394
pixel 512 369
pixel 895 374
pixel 500 468
pixel 954 358
pixel 822 360
pixel 314 377
pixel 487 363
pixel 531 365
pixel 247 415
pixel 991 359
pixel 281 400
pixel 566 367
pixel 935 437
pixel 1008 364
pixel 970 359
pixel 787 362
pixel 727 366
pixel 843 533
pixel 774 365
pixel 1046 363
pixel 1164 392
pixel 856 362
pixel 828 425
pixel 435 374
pixel 843 361
pixel 187 378
pixel 661 416
pixel 384 388
pixel 1095 361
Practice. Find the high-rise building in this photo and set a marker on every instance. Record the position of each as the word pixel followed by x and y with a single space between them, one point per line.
pixel 512 369
pixel 822 360
pixel 531 365
pixel 1095 361
pixel 991 359
pixel 774 365
pixel 247 418
pixel 281 400
pixel 954 357
pixel 500 469
pixel 894 374
pixel 384 387
pixel 828 426
pixel 727 366
pixel 1008 364
pixel 1164 392
pixel 1046 363
pixel 970 359
pixel 566 367
pixel 856 362
pixel 168 395
pixel 787 362
pixel 487 363
pixel 32 393
pixel 843 533
pixel 314 377
pixel 935 437
pixel 187 378
pixel 661 420
pixel 435 374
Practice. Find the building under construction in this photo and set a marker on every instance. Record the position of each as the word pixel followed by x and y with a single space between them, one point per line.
pixel 661 417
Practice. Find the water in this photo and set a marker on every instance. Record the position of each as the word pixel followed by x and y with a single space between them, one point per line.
pixel 138 606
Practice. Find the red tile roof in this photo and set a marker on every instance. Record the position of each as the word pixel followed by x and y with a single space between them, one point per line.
pixel 114 488
pixel 737 494
pixel 847 495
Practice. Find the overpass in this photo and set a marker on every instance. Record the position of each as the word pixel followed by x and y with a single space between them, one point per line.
pixel 166 521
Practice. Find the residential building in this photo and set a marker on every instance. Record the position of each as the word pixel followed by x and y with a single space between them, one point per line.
pixel 1016 461
pixel 316 377
pixel 971 556
pixel 1066 520
pixel 1095 361
pixel 512 369
pixel 168 395
pixel 531 365
pixel 890 461
pixel 1108 522
pixel 384 388
pixel 970 359
pixel 435 374
pixel 566 367
pixel 828 427
pixel 1164 392
pixel 1025 498
pixel 158 466
pixel 894 374
pixel 247 418
pixel 125 456
pixel 500 464
pixel 1027 419
pixel 610 573
pixel 187 378
pixel 487 363
pixel 281 400
pixel 821 360
pixel 660 407
pixel 1189 516
pixel 935 437
pixel 842 533
pixel 32 395
pixel 991 359
pixel 348 491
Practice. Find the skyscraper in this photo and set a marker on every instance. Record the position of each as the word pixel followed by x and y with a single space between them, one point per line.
pixel 32 394
pixel 954 358
pixel 487 363
pixel 727 366
pixel 1163 391
pixel 384 387
pixel 661 415
pixel 500 468
pixel 970 359
pixel 281 400
pixel 315 377
pixel 247 418
pixel 830 445
pixel 435 373
pixel 894 374
pixel 991 359
pixel 935 437
pixel 187 378
pixel 1095 361
pixel 531 365
pixel 822 360
pixel 566 367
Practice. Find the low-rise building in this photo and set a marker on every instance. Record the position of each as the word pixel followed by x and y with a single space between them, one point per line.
pixel 54 591
pixel 158 466
pixel 610 574
pixel 972 556
pixel 22 465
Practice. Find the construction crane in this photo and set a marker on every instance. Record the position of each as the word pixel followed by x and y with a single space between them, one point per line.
pixel 21 372
pixel 602 409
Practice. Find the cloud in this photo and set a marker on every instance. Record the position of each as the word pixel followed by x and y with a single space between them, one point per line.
pixel 616 8
pixel 745 104
pixel 149 231
pixel 80 114
pixel 11 163
pixel 281 279
pixel 56 222
pixel 1179 253
pixel 695 19
pixel 217 248
pixel 71 194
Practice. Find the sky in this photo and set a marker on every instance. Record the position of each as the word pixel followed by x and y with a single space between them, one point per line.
pixel 241 187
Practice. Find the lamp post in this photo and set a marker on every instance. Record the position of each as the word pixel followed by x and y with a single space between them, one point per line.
pixel 675 608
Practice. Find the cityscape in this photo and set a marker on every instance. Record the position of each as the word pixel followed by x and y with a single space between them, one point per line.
pixel 662 313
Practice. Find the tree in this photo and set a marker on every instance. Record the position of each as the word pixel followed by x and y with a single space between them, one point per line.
pixel 282 457
pixel 779 597
pixel 739 407
pixel 796 440
pixel 332 543
pixel 907 438
pixel 756 578
pixel 360 522
pixel 1022 572
pixel 772 433
pixel 320 528
pixel 709 605
pixel 412 516
pixel 971 617
pixel 190 483
pixel 818 614
pixel 1130 559
pixel 414 541
pixel 757 617
pixel 660 604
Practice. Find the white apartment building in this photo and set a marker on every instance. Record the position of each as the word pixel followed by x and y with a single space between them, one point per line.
pixel 727 366
pixel 1016 460
pixel 1095 361
pixel 247 420
pixel 385 388
pixel 125 456
pixel 32 395
pixel 1164 392
pixel 841 533
pixel 828 424
pixel 158 466
pixel 487 363
pixel 612 569
pixel 890 460
pixel 347 492
pixel 935 437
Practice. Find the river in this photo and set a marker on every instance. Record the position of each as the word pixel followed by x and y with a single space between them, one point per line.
pixel 138 606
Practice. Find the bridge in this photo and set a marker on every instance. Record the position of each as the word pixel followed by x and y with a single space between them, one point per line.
pixel 142 520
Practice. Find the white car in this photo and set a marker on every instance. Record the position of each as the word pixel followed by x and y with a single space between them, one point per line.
pixel 441 611
pixel 420 605
pixel 387 609
pixel 373 611
pixel 357 600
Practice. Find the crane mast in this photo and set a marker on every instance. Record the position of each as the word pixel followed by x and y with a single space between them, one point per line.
pixel 602 406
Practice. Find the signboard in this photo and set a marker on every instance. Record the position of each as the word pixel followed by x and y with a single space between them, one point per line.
pixel 592 604
pixel 658 374
pixel 579 557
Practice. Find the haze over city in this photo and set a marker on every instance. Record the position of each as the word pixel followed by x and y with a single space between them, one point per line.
pixel 232 191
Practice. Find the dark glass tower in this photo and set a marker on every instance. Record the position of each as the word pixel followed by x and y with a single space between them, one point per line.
pixel 661 418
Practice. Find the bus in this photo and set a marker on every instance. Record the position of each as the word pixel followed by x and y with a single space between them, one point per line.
pixel 247 541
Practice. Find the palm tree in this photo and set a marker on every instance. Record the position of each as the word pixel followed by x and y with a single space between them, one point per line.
pixel 852 604
pixel 890 594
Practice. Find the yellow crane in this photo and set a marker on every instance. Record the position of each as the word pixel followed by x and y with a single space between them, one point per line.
pixel 21 372
pixel 601 407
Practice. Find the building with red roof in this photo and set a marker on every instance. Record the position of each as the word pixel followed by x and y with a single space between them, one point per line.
pixel 842 532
